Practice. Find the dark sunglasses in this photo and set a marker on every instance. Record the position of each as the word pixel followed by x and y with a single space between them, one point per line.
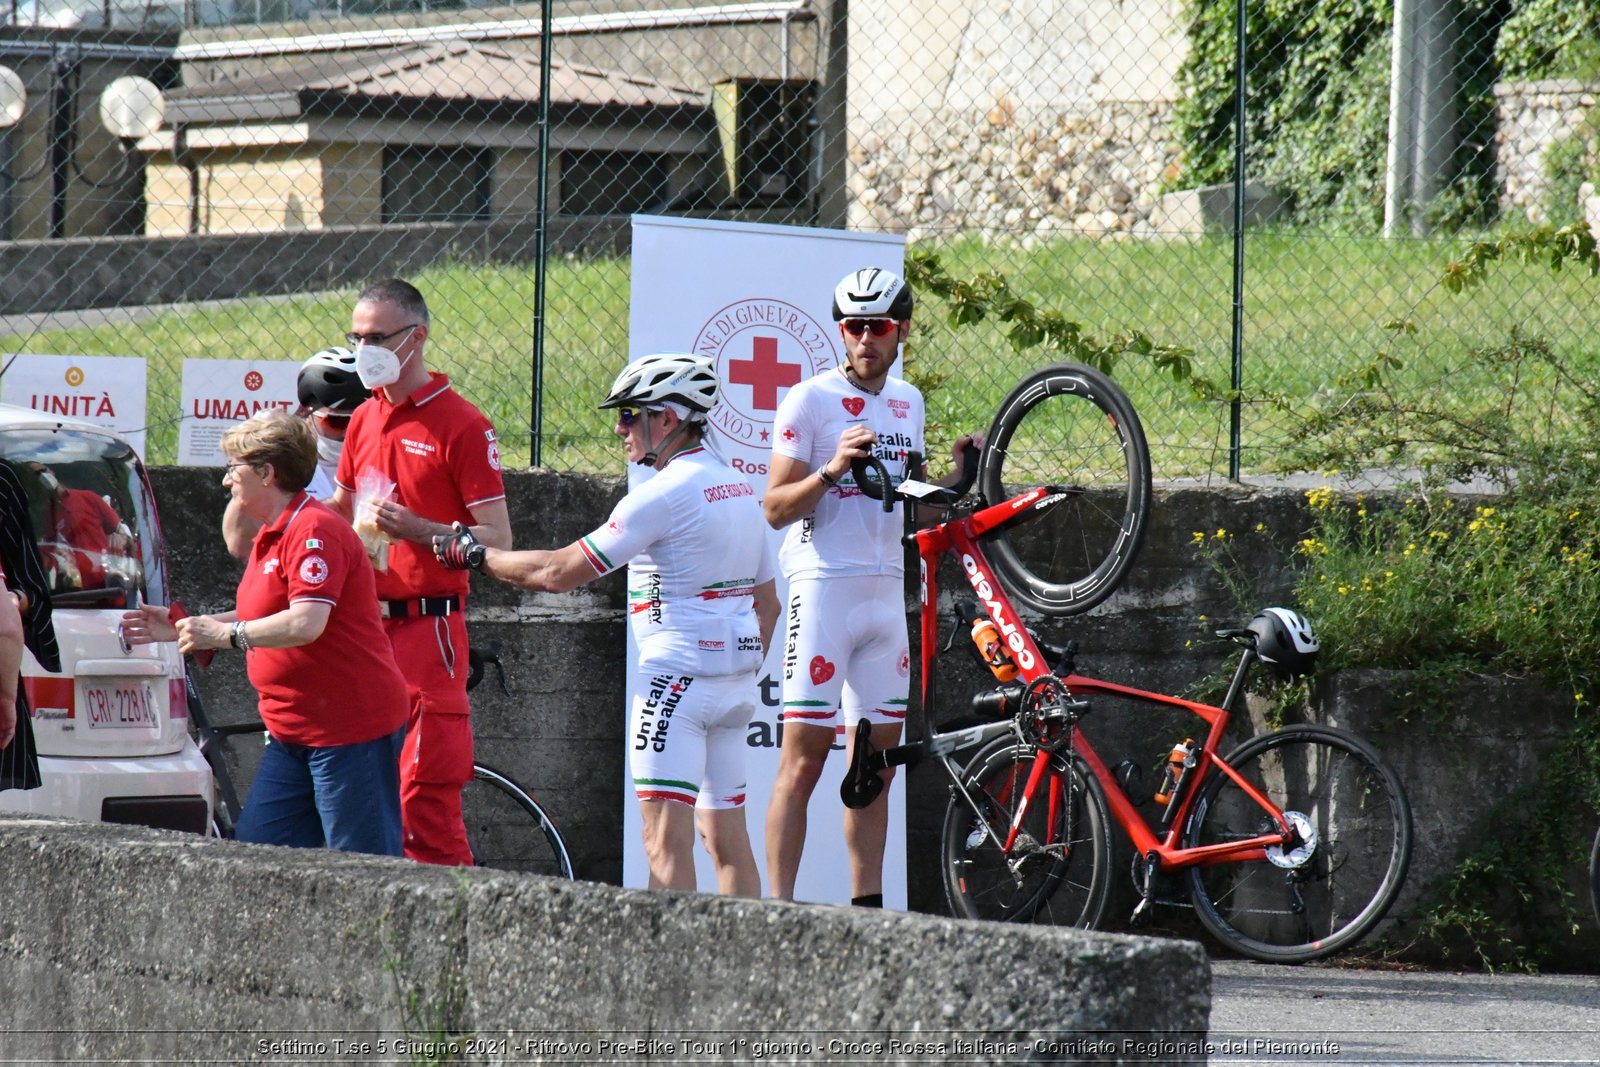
pixel 876 327
pixel 629 414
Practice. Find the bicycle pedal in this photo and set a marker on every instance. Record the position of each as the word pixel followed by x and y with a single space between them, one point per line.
pixel 1141 913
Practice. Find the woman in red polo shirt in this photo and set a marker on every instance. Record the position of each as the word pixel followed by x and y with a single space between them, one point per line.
pixel 306 617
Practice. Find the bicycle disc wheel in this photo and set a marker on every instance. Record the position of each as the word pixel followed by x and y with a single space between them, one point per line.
pixel 1059 869
pixel 1309 901
pixel 1068 425
pixel 507 830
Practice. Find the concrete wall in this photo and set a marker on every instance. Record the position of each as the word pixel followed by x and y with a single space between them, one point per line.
pixel 130 945
pixel 560 727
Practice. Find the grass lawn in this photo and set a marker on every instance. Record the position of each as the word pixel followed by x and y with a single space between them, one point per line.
pixel 1315 308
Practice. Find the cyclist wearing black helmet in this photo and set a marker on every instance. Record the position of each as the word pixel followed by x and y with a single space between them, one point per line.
pixel 329 392
pixel 846 648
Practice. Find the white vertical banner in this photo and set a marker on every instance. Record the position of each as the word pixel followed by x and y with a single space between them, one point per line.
pixel 758 300
pixel 220 393
pixel 108 391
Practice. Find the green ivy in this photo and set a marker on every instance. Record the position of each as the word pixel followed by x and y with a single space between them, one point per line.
pixel 1318 84
pixel 1550 39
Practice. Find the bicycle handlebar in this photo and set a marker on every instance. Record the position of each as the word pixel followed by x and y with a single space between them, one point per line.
pixel 871 475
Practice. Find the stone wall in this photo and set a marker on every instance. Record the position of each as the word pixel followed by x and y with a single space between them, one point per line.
pixel 1533 116
pixel 1094 168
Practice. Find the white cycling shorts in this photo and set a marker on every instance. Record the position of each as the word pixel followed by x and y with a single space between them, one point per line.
pixel 846 650
pixel 687 737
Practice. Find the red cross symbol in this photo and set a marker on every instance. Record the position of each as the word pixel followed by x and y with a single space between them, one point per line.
pixel 764 374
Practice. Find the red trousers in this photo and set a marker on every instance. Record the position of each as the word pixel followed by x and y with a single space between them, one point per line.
pixel 437 758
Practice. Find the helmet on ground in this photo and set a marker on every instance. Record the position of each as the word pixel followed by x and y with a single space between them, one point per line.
pixel 667 377
pixel 1285 642
pixel 872 293
pixel 328 382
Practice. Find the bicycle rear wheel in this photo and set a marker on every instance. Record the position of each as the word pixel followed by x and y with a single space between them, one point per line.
pixel 1068 425
pixel 1058 871
pixel 508 830
pixel 1314 900
pixel 1594 876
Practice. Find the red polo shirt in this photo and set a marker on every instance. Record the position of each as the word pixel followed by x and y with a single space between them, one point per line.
pixel 443 457
pixel 343 688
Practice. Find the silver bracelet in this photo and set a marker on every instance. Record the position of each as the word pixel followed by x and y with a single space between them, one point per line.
pixel 238 639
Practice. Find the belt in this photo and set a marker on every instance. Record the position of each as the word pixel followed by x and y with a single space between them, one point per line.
pixel 422 606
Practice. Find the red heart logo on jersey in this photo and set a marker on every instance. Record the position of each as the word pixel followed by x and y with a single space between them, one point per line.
pixel 821 670
pixel 853 404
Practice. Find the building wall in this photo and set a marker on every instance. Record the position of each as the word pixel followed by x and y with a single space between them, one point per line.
pixel 1037 118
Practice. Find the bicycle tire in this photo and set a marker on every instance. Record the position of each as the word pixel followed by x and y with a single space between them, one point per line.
pixel 497 812
pixel 1063 872
pixel 1594 876
pixel 1335 895
pixel 1068 425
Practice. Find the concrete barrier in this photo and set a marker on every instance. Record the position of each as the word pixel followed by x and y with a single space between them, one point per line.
pixel 128 944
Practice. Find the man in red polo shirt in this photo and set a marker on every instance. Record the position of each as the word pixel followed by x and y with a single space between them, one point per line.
pixel 441 454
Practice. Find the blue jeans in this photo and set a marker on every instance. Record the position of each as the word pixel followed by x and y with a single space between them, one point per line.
pixel 344 797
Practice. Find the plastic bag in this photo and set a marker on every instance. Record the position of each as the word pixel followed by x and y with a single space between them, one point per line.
pixel 373 487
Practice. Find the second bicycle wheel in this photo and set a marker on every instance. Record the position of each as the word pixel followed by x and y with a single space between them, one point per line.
pixel 1058 871
pixel 1068 425
pixel 507 830
pixel 1330 889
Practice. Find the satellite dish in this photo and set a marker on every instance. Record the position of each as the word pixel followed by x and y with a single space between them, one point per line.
pixel 132 107
pixel 13 98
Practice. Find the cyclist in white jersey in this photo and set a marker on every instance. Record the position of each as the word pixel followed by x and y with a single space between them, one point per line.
pixel 702 605
pixel 846 647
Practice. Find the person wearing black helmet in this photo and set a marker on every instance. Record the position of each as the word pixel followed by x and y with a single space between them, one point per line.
pixel 846 647
pixel 329 391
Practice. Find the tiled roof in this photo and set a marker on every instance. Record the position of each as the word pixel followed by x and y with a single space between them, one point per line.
pixel 454 74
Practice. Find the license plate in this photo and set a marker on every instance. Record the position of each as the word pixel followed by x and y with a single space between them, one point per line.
pixel 126 706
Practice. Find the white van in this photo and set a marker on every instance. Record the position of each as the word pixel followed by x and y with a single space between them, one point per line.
pixel 112 728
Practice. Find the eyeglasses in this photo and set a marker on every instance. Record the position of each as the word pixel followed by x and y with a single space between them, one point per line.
pixel 227 471
pixel 876 327
pixel 629 414
pixel 377 338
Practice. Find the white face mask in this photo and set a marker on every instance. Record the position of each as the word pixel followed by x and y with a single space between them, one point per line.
pixel 377 366
pixel 328 452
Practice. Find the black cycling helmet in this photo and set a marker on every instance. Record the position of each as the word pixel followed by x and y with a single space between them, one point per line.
pixel 328 382
pixel 1284 642
pixel 872 293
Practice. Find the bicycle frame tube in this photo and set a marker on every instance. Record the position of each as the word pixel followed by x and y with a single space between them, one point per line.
pixel 959 537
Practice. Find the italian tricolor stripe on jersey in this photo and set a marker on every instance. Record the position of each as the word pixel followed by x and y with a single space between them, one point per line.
pixel 740 587
pixel 597 559
pixel 807 709
pixel 665 789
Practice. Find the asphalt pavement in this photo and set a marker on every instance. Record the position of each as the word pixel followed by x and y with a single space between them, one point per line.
pixel 1331 1015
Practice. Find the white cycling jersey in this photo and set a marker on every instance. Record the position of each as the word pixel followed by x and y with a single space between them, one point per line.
pixel 848 533
pixel 697 540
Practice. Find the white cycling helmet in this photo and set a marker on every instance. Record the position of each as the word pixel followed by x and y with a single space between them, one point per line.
pixel 872 293
pixel 667 377
pixel 1285 642
pixel 328 382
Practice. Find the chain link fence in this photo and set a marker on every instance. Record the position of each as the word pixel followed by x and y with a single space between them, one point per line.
pixel 1083 152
